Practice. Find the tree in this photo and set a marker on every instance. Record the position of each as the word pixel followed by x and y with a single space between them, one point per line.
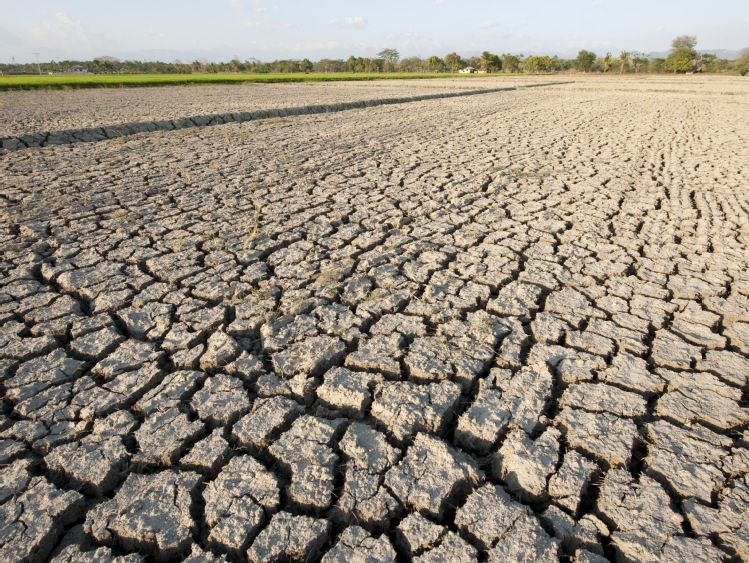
pixel 585 60
pixel 607 62
pixel 453 62
pixel 305 66
pixel 490 62
pixel 391 56
pixel 623 60
pixel 538 64
pixel 682 54
pixel 640 61
pixel 688 42
pixel 510 63
pixel 435 64
pixel 679 61
pixel 741 65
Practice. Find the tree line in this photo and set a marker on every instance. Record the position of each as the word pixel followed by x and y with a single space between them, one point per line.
pixel 683 57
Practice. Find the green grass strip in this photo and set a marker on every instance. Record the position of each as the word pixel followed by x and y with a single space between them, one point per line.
pixel 71 81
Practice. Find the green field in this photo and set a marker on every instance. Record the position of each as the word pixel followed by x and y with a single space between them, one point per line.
pixel 66 81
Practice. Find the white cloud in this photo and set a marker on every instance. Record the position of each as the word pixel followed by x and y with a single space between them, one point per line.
pixel 357 21
pixel 289 25
pixel 439 2
pixel 63 31
pixel 157 34
pixel 488 24
pixel 597 3
pixel 252 24
pixel 256 7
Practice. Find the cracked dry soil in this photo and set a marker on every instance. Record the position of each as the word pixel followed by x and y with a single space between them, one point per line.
pixel 512 326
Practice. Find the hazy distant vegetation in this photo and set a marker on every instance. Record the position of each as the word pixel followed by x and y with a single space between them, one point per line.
pixel 684 57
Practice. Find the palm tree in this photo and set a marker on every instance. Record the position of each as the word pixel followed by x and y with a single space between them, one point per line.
pixel 623 60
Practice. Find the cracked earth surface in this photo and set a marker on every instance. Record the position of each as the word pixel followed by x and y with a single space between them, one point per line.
pixel 513 326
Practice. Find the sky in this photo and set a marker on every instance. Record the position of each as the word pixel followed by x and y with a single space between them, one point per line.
pixel 218 30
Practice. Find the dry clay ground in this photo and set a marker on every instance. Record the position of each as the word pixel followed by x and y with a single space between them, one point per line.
pixel 513 326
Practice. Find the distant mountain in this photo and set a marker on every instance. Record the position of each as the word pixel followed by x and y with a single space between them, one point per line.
pixel 720 53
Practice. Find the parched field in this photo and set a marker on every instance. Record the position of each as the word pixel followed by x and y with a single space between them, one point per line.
pixel 510 326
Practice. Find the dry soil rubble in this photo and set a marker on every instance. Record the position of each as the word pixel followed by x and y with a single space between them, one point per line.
pixel 501 327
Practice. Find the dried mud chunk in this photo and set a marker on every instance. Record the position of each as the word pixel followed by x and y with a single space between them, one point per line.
pixel 416 533
pixel 698 334
pixel 679 549
pixel 197 555
pixel 97 462
pixel 131 355
pixel 505 528
pixel 688 287
pixel 405 408
pixel 208 454
pixel 163 435
pixel 73 554
pixel 428 360
pixel 356 544
pixel 92 399
pixel 406 325
pixel 268 418
pixel 172 391
pixel 689 459
pixel 548 327
pixel 571 305
pixel 632 373
pixel 41 373
pixel 586 533
pixel 728 522
pixel 31 523
pixel 732 309
pixel 568 484
pixel 590 342
pixel 505 400
pixel 731 366
pixel 516 299
pixel 603 435
pixel 96 345
pixel 347 391
pixel 289 538
pixel 380 354
pixel 300 388
pixel 23 349
pixel 525 465
pixel 149 513
pixel 738 334
pixel 433 476
pixel 671 351
pixel 641 514
pixel 312 357
pixel 306 452
pixel 10 449
pixel 287 330
pixel 452 548
pixel 221 401
pixel 15 477
pixel 599 397
pixel 181 337
pixel 701 397
pixel 237 502
pixel 461 351
pixel 221 350
pixel 367 457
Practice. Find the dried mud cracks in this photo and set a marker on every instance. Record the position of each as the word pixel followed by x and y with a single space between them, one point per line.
pixel 513 326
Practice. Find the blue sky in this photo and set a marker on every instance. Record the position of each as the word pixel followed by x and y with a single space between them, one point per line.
pixel 273 29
